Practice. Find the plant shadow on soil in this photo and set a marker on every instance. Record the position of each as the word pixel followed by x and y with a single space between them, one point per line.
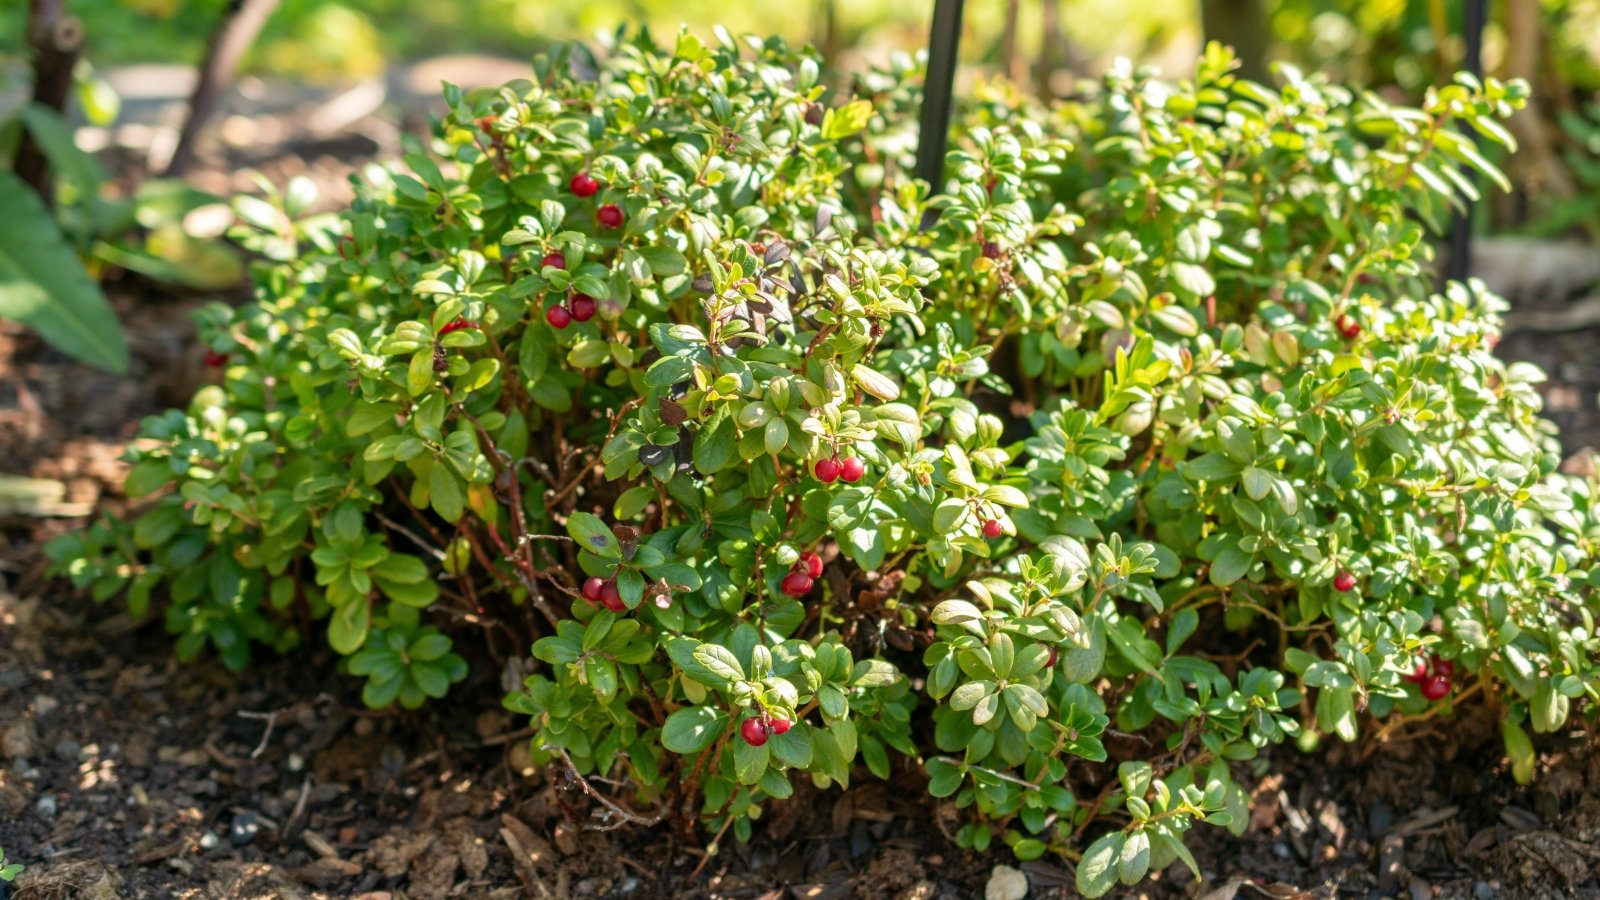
pixel 125 774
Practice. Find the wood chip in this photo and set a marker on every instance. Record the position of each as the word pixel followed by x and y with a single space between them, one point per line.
pixel 1424 819
pixel 319 845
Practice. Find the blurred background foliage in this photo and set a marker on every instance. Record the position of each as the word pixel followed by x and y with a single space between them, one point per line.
pixel 1399 47
pixel 1407 44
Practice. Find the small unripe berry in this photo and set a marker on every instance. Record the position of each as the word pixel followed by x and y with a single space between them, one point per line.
pixel 780 726
pixel 851 469
pixel 795 584
pixel 1436 688
pixel 809 563
pixel 593 588
pixel 558 317
pixel 991 528
pixel 753 732
pixel 826 470
pixel 611 597
pixel 554 258
pixel 991 250
pixel 609 216
pixel 582 307
pixel 1344 582
pixel 1348 326
pixel 583 186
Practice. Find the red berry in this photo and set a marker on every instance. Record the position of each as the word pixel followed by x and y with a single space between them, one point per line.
pixel 826 470
pixel 991 528
pixel 611 597
pixel 455 325
pixel 851 469
pixel 780 726
pixel 1051 662
pixel 1436 688
pixel 991 250
pixel 1344 582
pixel 554 258
pixel 1419 671
pixel 609 216
pixel 809 563
pixel 216 360
pixel 1348 326
pixel 558 317
pixel 753 732
pixel 584 186
pixel 593 588
pixel 796 584
pixel 1363 278
pixel 1444 668
pixel 582 307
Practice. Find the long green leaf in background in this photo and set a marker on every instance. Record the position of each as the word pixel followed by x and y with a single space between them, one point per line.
pixel 43 284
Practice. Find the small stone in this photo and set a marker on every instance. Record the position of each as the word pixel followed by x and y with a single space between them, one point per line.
pixel 1482 891
pixel 46 806
pixel 209 840
pixel 296 762
pixel 1006 883
pixel 244 828
pixel 1281 850
pixel 19 740
pixel 68 749
pixel 44 705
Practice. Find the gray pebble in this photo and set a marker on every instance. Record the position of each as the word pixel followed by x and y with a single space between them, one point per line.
pixel 46 806
pixel 68 749
pixel 244 828
pixel 44 704
pixel 209 841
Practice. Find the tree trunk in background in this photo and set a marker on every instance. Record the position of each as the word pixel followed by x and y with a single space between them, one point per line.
pixel 56 38
pixel 1242 25
pixel 235 32
pixel 1538 158
pixel 1050 41
pixel 1010 60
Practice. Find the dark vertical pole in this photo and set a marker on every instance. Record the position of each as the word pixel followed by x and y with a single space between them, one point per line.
pixel 1459 266
pixel 944 39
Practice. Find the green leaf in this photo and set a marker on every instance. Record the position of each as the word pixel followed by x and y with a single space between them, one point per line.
pixel 846 120
pixel 593 535
pixel 45 287
pixel 793 748
pixel 1230 566
pixel 1134 860
pixel 749 761
pixel 720 662
pixel 692 729
pixel 444 491
pixel 1097 870
pixel 347 627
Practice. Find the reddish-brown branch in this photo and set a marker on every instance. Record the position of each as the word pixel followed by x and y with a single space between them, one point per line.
pixel 232 37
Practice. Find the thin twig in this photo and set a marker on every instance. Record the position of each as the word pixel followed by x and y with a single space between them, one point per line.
pixel 604 800
pixel 271 718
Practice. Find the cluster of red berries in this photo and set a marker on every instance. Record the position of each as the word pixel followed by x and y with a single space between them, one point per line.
pixel 1347 326
pixel 756 729
pixel 1344 582
pixel 609 215
pixel 578 308
pixel 1433 676
pixel 806 569
pixel 603 591
pixel 850 469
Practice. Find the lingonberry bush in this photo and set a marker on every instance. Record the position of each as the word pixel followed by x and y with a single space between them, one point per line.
pixel 1143 445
